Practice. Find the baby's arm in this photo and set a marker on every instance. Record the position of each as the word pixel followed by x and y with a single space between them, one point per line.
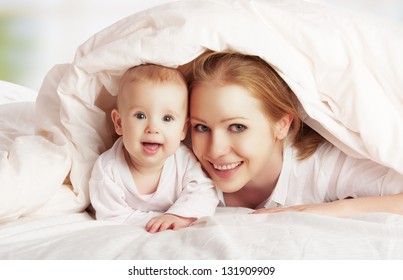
pixel 168 221
pixel 196 194
pixel 109 200
pixel 109 203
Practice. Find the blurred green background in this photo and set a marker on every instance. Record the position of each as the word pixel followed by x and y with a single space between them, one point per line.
pixel 18 46
pixel 37 34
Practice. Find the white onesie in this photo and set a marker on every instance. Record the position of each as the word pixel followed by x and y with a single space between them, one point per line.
pixel 183 189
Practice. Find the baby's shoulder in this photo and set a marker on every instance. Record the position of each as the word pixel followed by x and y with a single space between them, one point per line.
pixel 110 156
pixel 184 156
pixel 184 151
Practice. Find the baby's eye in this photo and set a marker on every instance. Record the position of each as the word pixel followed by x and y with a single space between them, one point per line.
pixel 201 128
pixel 237 127
pixel 168 118
pixel 140 116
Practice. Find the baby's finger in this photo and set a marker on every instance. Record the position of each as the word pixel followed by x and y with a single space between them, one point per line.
pixel 175 226
pixel 153 227
pixel 149 224
pixel 166 225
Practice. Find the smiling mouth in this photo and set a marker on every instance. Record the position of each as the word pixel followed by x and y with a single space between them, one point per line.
pixel 151 148
pixel 227 166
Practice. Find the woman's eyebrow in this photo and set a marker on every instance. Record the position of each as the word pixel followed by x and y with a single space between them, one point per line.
pixel 196 119
pixel 234 118
pixel 222 121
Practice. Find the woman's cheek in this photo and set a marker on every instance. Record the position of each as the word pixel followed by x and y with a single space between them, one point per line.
pixel 197 145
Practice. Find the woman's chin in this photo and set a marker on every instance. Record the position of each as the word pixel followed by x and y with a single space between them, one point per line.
pixel 228 188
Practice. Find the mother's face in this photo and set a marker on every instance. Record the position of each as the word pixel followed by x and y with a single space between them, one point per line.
pixel 231 137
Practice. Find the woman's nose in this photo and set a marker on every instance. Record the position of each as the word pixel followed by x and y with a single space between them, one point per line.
pixel 219 146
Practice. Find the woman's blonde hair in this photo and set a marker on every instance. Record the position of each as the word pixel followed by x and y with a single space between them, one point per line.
pixel 263 82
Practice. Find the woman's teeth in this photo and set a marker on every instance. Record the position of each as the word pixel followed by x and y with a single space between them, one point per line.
pixel 226 166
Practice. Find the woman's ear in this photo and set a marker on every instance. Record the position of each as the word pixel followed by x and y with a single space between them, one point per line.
pixel 117 121
pixel 283 126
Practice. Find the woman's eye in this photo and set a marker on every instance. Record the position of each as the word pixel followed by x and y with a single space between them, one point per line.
pixel 237 127
pixel 140 116
pixel 167 118
pixel 201 128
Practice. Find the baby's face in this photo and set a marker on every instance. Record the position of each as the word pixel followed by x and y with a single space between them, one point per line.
pixel 153 119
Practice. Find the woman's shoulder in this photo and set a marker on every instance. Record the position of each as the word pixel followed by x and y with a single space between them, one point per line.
pixel 326 149
pixel 325 155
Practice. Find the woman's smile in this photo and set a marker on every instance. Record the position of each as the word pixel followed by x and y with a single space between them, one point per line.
pixel 227 170
pixel 227 166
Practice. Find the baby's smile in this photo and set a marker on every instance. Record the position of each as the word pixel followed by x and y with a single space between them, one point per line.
pixel 151 148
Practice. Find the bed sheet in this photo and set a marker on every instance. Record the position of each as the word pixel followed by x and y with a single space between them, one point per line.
pixel 231 234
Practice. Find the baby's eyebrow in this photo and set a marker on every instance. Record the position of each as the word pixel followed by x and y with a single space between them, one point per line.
pixel 173 112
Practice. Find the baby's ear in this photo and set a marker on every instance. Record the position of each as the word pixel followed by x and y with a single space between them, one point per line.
pixel 185 129
pixel 117 121
pixel 283 126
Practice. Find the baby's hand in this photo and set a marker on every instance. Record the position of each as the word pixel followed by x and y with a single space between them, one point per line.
pixel 168 221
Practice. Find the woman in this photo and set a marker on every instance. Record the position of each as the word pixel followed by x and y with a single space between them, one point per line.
pixel 248 136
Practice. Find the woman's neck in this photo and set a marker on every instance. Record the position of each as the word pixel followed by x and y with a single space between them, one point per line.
pixel 248 196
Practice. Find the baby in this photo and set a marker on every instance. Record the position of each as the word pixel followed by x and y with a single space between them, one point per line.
pixel 149 177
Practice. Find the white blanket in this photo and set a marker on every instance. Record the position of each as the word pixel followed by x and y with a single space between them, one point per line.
pixel 231 234
pixel 347 71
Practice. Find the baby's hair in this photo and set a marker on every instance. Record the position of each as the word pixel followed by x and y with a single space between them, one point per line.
pixel 264 83
pixel 151 73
